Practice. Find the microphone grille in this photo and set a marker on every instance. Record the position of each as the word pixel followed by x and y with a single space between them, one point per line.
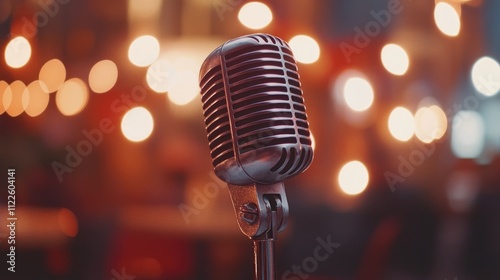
pixel 265 93
pixel 253 104
pixel 216 116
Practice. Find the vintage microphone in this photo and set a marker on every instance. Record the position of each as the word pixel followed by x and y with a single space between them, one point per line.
pixel 258 133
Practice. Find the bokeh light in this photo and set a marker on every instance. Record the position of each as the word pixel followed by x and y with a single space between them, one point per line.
pixel 401 124
pixel 467 134
pixel 425 124
pixel 485 76
pixel 144 50
pixel 68 222
pixel 305 49
pixel 161 76
pixel 72 97
pixel 3 86
pixel 52 75
pixel 491 114
pixel 358 94
pixel 395 59
pixel 430 123
pixel 137 124
pixel 35 100
pixel 12 98
pixel 447 19
pixel 103 76
pixel 255 15
pixel 17 52
pixel 353 177
pixel 441 122
pixel 185 89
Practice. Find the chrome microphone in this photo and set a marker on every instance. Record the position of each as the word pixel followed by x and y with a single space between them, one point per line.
pixel 254 111
pixel 258 133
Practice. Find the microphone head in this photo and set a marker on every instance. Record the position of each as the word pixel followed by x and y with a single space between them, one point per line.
pixel 254 111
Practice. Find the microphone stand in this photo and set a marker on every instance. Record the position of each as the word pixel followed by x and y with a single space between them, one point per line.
pixel 261 211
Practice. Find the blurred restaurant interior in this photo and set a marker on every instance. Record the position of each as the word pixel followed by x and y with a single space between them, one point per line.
pixel 101 119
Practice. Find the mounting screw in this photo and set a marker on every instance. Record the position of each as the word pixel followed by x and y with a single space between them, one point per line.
pixel 249 213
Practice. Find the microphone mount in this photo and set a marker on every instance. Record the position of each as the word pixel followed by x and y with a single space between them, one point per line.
pixel 261 211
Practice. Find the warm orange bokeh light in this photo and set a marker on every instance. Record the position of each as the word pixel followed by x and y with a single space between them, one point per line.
pixel 72 97
pixel 35 99
pixel 52 75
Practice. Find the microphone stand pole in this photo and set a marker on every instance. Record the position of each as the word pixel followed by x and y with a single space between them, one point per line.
pixel 261 211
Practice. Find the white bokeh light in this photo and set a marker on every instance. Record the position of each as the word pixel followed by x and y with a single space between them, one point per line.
pixel 144 50
pixel 485 75
pixel 441 122
pixel 255 15
pixel 358 94
pixel 447 19
pixel 161 76
pixel 353 178
pixel 137 124
pixel 17 52
pixel 467 134
pixel 305 49
pixel 185 89
pixel 395 59
pixel 425 124
pixel 401 124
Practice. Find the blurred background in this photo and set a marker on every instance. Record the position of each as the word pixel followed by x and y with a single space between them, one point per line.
pixel 101 119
